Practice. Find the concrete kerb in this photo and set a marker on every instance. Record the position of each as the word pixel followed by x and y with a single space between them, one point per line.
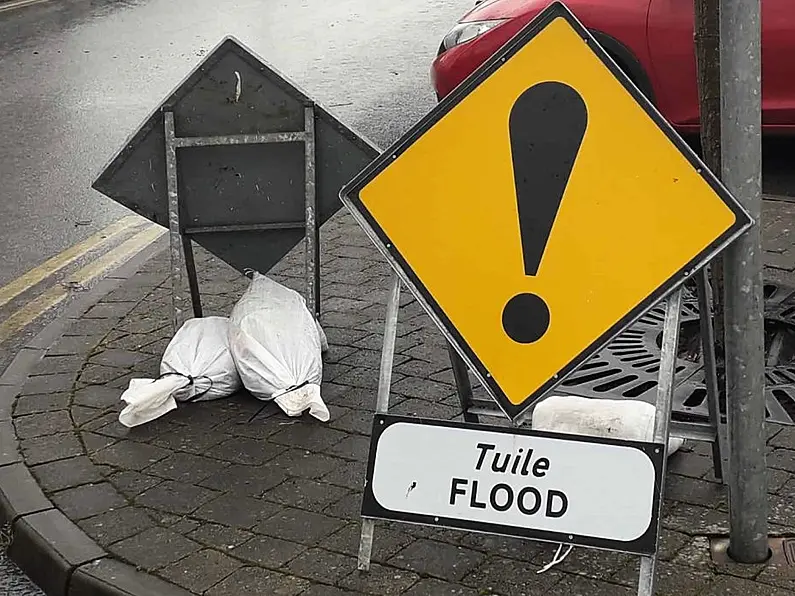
pixel 54 552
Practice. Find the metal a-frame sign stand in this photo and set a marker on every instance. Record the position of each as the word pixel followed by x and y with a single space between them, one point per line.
pixel 238 159
pixel 505 233
pixel 181 248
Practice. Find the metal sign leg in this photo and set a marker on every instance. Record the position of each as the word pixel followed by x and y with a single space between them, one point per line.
pixel 665 392
pixel 177 259
pixel 193 279
pixel 462 384
pixel 711 371
pixel 382 403
pixel 312 231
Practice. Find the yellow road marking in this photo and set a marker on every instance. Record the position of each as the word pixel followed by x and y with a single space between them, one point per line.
pixel 34 276
pixel 19 4
pixel 57 294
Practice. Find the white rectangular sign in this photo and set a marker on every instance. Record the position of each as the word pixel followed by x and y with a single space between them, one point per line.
pixel 578 490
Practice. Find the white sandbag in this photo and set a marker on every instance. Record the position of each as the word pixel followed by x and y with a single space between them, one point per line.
pixel 276 344
pixel 200 351
pixel 196 366
pixel 617 418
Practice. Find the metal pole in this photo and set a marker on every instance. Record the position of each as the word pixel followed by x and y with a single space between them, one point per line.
pixel 382 403
pixel 740 73
pixel 177 257
pixel 662 417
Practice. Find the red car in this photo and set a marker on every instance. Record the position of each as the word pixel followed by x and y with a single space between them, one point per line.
pixel 650 40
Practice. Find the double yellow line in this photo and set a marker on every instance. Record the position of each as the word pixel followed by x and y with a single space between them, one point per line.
pixel 81 278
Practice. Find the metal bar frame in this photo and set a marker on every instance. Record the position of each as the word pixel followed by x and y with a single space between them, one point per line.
pixel 181 249
pixel 662 418
pixel 382 404
pixel 174 232
pixel 312 234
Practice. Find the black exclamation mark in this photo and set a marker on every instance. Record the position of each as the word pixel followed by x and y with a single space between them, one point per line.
pixel 547 125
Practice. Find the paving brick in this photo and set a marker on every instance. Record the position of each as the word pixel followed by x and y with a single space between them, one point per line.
pixel 108 576
pixel 689 464
pixel 302 463
pixel 94 442
pixel 349 475
pixel 438 559
pixel 83 414
pixel 78 345
pixel 242 450
pixel 300 526
pixel 35 404
pixel 423 389
pixel 782 459
pixel 118 358
pixel 246 480
pixel 572 585
pixel 355 447
pixel 435 587
pixel 253 580
pixel 671 580
pixel 45 449
pixel 55 383
pixel 323 590
pixel 117 524
pixel 348 507
pixel 309 436
pixel 782 510
pixel 510 576
pixel 321 565
pixel 154 548
pixel 694 519
pixel 777 481
pixel 176 497
pixel 421 408
pixel 380 580
pixel 784 439
pixel 670 543
pixel 387 541
pixel 96 374
pixel 220 537
pixel 87 500
pixel 726 585
pixel 66 473
pixel 130 455
pixel 186 467
pixel 132 483
pixel 267 551
pixel 201 571
pixel 695 491
pixel 175 438
pixel 96 396
pixel 236 511
pixel 305 494
pixel 355 421
pixel 39 425
pixel 59 364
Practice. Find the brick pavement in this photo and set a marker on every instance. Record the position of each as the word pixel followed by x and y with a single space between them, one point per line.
pixel 231 497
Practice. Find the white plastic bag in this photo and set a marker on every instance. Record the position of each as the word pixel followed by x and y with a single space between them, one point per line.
pixel 617 418
pixel 196 366
pixel 277 344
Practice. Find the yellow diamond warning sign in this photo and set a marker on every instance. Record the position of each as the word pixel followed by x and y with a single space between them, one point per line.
pixel 541 208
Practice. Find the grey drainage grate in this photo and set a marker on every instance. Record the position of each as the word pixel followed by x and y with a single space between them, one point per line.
pixel 628 366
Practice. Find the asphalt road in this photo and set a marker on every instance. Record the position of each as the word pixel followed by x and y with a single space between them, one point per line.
pixel 78 76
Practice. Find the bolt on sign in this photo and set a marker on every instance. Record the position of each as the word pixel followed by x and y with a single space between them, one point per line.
pixel 541 208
